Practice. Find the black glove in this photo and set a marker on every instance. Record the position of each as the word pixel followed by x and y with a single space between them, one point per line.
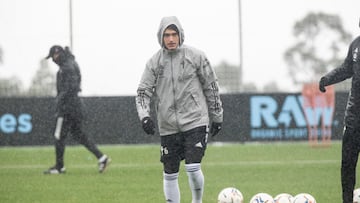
pixel 322 84
pixel 215 128
pixel 148 125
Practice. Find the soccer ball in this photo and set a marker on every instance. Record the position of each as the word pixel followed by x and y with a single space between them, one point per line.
pixel 356 196
pixel 263 198
pixel 304 198
pixel 230 195
pixel 284 198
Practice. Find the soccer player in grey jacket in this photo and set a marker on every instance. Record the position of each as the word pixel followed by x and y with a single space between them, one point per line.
pixel 185 93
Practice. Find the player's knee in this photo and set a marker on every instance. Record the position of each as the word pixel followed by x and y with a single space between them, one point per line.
pixel 171 167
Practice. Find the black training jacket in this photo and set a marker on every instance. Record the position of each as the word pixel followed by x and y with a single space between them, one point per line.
pixel 68 80
pixel 350 68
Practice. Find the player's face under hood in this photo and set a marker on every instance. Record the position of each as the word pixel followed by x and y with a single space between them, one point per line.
pixel 165 22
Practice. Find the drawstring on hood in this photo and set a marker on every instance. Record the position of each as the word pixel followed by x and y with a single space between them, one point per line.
pixel 165 22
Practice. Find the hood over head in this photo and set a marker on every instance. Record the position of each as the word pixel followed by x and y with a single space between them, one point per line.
pixel 165 22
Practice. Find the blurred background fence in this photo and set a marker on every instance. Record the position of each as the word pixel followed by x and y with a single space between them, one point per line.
pixel 113 120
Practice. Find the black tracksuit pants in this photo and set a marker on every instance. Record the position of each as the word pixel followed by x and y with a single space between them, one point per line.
pixel 71 124
pixel 350 153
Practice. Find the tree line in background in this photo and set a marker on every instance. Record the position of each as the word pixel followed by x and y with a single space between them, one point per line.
pixel 42 84
pixel 320 41
pixel 320 45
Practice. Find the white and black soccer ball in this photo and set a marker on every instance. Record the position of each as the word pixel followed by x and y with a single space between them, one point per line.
pixel 356 198
pixel 230 195
pixel 304 198
pixel 262 197
pixel 283 198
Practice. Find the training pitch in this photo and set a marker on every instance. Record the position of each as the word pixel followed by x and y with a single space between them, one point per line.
pixel 135 174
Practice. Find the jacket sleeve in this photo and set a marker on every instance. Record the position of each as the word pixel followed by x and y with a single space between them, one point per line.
pixel 210 87
pixel 145 91
pixel 341 73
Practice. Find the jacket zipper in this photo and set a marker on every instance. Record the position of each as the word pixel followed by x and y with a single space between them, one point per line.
pixel 173 84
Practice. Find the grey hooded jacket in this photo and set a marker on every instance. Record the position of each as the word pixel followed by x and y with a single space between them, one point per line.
pixel 182 84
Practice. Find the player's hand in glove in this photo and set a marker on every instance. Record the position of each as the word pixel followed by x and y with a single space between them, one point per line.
pixel 148 125
pixel 322 84
pixel 215 128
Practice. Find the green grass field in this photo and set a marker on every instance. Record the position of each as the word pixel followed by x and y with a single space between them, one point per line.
pixel 135 174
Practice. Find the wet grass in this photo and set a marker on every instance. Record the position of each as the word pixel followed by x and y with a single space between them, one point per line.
pixel 135 174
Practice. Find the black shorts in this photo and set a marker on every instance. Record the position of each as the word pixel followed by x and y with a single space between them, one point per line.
pixel 189 145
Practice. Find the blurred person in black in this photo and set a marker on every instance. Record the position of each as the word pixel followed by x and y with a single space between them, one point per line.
pixel 350 68
pixel 69 110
